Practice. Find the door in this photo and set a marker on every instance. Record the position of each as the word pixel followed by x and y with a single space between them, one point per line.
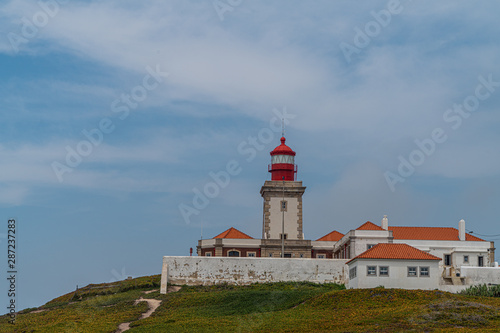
pixel 480 261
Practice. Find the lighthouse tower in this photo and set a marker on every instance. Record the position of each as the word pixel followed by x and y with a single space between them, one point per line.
pixel 283 206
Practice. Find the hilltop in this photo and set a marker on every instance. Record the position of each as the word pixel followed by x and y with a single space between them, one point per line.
pixel 273 307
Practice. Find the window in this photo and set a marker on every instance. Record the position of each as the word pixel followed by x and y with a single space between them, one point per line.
pixel 302 255
pixel 208 254
pixel 320 256
pixel 283 236
pixel 284 205
pixel 352 273
pixel 383 271
pixel 369 246
pixel 271 254
pixel 466 259
pixel 480 261
pixel 251 254
pixel 287 255
pixel 233 253
pixel 424 271
pixel 371 270
pixel 447 259
pixel 412 271
pixel 282 159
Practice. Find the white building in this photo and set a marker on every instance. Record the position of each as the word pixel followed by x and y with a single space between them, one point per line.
pixel 454 246
pixel 394 266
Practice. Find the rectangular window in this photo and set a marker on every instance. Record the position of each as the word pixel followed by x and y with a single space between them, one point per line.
pixel 369 246
pixel 251 254
pixel 480 261
pixel 270 254
pixel 284 205
pixel 208 254
pixel 288 255
pixel 352 273
pixel 424 271
pixel 412 271
pixel 447 259
pixel 283 236
pixel 371 270
pixel 466 259
pixel 383 271
pixel 320 256
pixel 302 255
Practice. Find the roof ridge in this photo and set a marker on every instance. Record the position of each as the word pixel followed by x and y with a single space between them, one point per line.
pixel 438 233
pixel 334 232
pixel 371 225
pixel 237 234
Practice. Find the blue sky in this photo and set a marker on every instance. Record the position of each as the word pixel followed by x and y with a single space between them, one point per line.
pixel 232 69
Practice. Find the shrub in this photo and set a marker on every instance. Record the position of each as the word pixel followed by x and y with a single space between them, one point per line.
pixel 482 290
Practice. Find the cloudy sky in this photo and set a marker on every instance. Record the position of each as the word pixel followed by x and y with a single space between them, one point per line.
pixel 115 114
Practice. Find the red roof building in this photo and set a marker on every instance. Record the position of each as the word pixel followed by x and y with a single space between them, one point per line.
pixel 395 251
pixel 394 266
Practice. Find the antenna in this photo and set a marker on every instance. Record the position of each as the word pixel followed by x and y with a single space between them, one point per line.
pixel 201 230
pixel 283 127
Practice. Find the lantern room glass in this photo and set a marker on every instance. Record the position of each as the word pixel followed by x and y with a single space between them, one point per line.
pixel 287 159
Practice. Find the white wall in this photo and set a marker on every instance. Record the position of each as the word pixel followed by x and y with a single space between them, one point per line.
pixel 398 274
pixel 227 242
pixel 359 239
pixel 480 275
pixel 323 245
pixel 291 218
pixel 214 270
pixel 360 245
pixel 456 248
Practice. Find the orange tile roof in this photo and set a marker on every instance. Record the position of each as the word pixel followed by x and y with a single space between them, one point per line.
pixel 395 251
pixel 233 233
pixel 369 226
pixel 430 233
pixel 333 236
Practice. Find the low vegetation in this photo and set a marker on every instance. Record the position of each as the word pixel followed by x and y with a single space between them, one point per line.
pixel 273 307
pixel 483 290
pixel 94 308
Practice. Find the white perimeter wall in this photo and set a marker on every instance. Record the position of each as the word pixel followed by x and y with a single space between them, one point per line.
pixel 214 270
pixel 480 275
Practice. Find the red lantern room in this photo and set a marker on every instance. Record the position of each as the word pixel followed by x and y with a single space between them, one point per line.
pixel 283 163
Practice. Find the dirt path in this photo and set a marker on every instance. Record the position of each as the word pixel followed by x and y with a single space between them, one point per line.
pixel 153 305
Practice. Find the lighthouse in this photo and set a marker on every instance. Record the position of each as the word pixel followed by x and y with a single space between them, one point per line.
pixel 282 211
pixel 282 165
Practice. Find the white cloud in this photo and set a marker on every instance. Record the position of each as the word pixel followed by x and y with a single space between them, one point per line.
pixel 397 90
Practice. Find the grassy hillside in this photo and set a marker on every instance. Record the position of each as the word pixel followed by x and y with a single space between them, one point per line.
pixel 278 307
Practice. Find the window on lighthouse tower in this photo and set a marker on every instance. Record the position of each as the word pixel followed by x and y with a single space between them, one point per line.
pixel 288 159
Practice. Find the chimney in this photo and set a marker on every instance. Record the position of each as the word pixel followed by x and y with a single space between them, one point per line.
pixel 461 230
pixel 385 223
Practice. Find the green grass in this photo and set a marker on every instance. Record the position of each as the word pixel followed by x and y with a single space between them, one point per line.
pixel 94 308
pixel 273 307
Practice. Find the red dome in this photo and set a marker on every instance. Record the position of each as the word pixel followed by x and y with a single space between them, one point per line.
pixel 283 149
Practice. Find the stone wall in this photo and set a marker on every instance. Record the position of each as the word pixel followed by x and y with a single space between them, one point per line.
pixel 214 270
